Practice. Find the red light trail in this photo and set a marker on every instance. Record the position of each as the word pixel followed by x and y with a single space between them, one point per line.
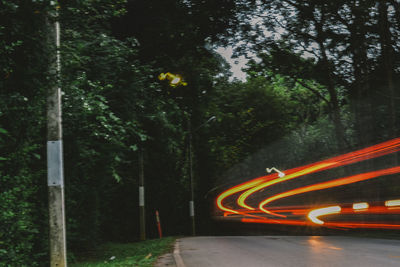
pixel 311 215
pixel 330 184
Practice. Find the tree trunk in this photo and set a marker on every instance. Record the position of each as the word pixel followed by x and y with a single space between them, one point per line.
pixel 334 102
pixel 388 66
pixel 387 60
pixel 360 92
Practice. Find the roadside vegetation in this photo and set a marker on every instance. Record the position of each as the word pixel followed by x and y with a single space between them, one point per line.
pixel 143 254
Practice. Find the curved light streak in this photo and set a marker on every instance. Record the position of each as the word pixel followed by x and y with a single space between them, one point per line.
pixel 325 185
pixel 362 225
pixel 340 225
pixel 299 210
pixel 341 160
pixel 234 190
pixel 276 221
pixel 242 198
pixel 250 187
pixel 314 214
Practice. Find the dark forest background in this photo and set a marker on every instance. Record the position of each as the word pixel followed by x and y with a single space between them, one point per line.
pixel 323 79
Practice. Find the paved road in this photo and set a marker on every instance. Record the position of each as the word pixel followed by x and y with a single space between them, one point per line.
pixel 281 251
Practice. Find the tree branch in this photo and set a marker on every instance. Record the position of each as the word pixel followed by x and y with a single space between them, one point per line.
pixel 312 90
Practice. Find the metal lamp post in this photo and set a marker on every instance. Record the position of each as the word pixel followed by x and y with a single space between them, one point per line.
pixel 190 159
pixel 175 80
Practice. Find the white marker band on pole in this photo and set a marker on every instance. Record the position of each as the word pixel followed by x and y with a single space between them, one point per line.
pixel 191 206
pixel 141 196
pixel 55 164
pixel 58 47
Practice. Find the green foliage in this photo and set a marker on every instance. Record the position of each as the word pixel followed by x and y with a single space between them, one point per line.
pixel 110 107
pixel 251 114
pixel 22 83
pixel 346 46
pixel 131 254
pixel 17 229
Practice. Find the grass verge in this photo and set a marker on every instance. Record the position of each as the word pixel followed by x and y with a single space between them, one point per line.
pixel 141 254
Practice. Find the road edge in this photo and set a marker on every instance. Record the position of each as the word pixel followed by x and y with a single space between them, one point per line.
pixel 177 256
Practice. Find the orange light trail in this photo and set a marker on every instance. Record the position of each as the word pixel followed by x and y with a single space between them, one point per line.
pixel 314 214
pixel 349 158
pixel 235 190
pixel 330 184
pixel 371 210
pixel 257 184
pixel 326 224
pixel 362 225
pixel 330 210
pixel 245 195
pixel 269 221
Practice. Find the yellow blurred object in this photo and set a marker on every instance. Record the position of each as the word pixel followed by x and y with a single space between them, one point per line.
pixel 174 79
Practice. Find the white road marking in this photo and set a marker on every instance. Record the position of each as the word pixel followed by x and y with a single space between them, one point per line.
pixel 177 256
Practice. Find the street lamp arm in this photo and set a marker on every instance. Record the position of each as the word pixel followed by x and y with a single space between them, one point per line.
pixel 209 120
pixel 280 174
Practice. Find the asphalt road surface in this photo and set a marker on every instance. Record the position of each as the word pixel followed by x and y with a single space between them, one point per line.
pixel 281 251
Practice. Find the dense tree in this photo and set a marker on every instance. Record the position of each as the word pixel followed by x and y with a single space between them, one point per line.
pixel 22 94
pixel 325 79
pixel 349 41
pixel 112 105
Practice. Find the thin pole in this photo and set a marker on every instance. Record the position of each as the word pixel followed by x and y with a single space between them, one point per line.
pixel 142 218
pixel 190 160
pixel 55 168
pixel 191 202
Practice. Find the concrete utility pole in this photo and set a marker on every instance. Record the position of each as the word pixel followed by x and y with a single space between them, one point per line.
pixel 55 170
pixel 142 218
